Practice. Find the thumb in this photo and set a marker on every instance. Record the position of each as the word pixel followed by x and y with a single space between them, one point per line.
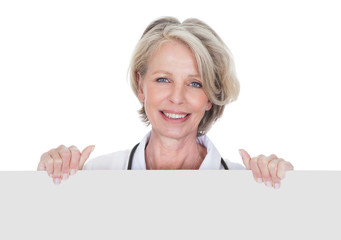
pixel 246 158
pixel 85 155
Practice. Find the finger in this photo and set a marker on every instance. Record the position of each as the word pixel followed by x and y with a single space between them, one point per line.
pixel 85 155
pixel 46 163
pixel 246 158
pixel 57 166
pixel 43 159
pixel 75 157
pixel 263 167
pixel 283 166
pixel 273 168
pixel 41 166
pixel 255 170
pixel 65 155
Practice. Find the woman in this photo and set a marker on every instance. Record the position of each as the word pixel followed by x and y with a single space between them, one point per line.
pixel 183 75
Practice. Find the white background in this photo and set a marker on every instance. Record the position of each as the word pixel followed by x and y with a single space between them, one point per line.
pixel 63 73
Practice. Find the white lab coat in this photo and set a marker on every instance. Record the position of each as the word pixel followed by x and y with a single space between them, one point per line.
pixel 119 160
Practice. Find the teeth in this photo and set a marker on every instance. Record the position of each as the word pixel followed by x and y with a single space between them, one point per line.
pixel 175 116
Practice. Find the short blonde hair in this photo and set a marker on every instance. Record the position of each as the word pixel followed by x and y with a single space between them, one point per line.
pixel 215 63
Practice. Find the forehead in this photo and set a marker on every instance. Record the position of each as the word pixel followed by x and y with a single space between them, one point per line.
pixel 173 56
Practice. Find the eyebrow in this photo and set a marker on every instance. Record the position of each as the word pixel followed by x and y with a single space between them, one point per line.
pixel 170 74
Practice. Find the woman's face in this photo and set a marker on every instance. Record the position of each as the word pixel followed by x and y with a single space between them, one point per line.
pixel 172 91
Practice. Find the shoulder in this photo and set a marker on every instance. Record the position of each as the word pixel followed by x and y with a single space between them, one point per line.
pixel 111 161
pixel 233 165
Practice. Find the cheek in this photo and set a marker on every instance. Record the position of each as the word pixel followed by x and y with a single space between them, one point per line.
pixel 199 102
pixel 155 96
pixel 153 102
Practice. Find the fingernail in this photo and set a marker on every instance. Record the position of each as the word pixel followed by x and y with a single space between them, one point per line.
pixel 259 180
pixel 56 181
pixel 268 184
pixel 276 185
pixel 240 153
pixel 73 172
pixel 65 176
pixel 93 148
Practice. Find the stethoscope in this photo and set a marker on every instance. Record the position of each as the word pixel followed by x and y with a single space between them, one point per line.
pixel 131 156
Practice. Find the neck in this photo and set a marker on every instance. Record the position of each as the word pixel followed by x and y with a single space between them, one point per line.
pixel 168 153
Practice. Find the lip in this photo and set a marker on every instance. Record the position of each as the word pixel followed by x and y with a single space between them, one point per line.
pixel 174 112
pixel 179 120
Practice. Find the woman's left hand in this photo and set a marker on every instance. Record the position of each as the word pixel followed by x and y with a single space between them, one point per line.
pixel 270 170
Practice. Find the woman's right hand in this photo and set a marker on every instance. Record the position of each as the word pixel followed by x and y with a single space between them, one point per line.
pixel 61 162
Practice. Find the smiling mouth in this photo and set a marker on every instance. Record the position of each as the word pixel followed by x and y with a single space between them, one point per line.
pixel 174 115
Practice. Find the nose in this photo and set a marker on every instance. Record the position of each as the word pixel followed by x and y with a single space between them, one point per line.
pixel 177 94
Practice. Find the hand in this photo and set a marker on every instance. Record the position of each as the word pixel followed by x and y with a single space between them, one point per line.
pixel 62 161
pixel 270 170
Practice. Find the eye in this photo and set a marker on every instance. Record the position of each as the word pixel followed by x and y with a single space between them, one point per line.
pixel 196 84
pixel 162 80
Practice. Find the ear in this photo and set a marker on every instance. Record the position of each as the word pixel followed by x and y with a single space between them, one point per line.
pixel 140 87
pixel 208 106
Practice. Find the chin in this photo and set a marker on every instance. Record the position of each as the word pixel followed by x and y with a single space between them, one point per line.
pixel 176 133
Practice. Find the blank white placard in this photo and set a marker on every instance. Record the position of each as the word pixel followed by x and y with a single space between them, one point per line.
pixel 169 205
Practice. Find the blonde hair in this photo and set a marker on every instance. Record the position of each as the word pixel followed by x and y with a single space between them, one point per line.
pixel 215 63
